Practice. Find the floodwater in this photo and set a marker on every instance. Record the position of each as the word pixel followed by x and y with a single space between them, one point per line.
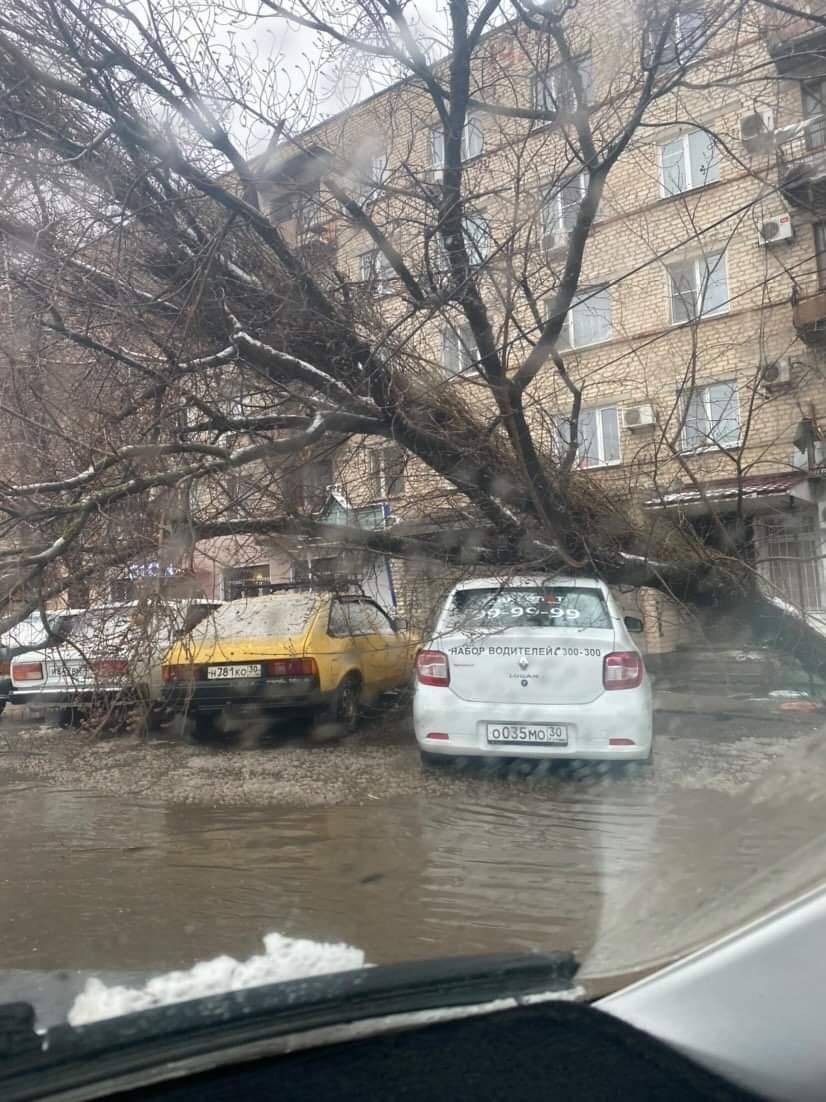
pixel 617 872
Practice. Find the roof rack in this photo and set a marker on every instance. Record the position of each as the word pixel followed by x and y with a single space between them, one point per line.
pixel 242 588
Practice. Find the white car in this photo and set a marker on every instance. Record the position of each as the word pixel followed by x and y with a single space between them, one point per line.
pixel 535 667
pixel 111 653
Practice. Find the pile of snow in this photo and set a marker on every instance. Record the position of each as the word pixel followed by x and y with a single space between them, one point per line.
pixel 284 958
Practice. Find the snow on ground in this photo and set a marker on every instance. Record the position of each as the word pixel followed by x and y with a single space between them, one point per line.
pixel 284 958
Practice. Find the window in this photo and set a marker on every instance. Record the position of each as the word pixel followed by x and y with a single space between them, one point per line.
pixel 386 471
pixel 507 607
pixel 375 270
pixel 459 352
pixel 686 33
pixel 374 175
pixel 477 242
pixel 471 141
pixel 588 320
pixel 555 90
pixel 711 417
pixel 688 161
pixel 559 211
pixel 321 571
pixel 699 287
pixel 241 580
pixel 477 236
pixel 789 558
pixel 309 486
pixel 820 253
pixel 598 442
pixel 308 211
pixel 355 617
pixel 813 94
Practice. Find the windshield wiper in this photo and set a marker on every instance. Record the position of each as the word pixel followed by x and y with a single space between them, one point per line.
pixel 133 1046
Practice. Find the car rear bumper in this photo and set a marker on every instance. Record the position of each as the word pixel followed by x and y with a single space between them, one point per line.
pixel 265 693
pixel 65 696
pixel 625 714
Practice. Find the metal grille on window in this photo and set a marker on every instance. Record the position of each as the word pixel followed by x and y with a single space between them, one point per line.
pixel 789 561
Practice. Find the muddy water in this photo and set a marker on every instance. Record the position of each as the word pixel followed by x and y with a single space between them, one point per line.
pixel 125 887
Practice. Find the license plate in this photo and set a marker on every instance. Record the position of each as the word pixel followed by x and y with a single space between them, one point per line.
pixel 220 673
pixel 529 734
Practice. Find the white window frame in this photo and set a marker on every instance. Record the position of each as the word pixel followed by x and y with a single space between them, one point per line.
pixel 458 344
pixel 472 127
pixel 373 180
pixel 688 169
pixel 375 271
pixel 583 462
pixel 703 268
pixel 554 91
pixel 711 443
pixel 555 234
pixel 582 297
pixel 478 242
pixel 673 47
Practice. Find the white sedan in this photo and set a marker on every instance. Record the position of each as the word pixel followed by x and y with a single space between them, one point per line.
pixel 534 667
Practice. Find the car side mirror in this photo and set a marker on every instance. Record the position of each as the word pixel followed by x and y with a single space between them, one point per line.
pixel 400 624
pixel 634 624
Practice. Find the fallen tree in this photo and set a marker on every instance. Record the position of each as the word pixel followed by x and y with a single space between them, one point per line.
pixel 151 288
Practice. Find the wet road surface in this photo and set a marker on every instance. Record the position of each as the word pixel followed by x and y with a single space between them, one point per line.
pixel 97 878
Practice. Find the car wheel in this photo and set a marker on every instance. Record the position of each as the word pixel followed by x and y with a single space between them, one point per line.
pixel 2 706
pixel 434 761
pixel 347 708
pixel 156 716
pixel 630 770
pixel 201 726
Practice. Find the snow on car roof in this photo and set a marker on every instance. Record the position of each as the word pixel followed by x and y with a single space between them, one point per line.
pixel 521 580
pixel 272 614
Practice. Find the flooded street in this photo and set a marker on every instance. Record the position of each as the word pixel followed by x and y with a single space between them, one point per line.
pixel 98 879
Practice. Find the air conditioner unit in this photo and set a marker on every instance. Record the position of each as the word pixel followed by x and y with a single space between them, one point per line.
pixel 757 130
pixel 638 417
pixel 776 228
pixel 776 373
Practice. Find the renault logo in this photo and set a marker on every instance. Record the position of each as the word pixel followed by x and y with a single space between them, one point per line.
pixel 523 663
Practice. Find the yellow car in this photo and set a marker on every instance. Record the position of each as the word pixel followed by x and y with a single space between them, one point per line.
pixel 293 651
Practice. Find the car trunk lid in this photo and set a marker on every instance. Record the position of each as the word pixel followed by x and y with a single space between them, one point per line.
pixel 529 646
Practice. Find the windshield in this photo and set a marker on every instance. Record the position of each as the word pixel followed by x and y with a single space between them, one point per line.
pixel 413 424
pixel 504 608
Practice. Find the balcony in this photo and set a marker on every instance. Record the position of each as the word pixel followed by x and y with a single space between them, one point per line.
pixel 810 318
pixel 796 43
pixel 801 163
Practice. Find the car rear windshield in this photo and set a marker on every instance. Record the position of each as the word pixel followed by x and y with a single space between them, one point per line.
pixel 282 615
pixel 539 607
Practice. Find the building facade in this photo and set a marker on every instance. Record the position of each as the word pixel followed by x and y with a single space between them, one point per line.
pixel 698 333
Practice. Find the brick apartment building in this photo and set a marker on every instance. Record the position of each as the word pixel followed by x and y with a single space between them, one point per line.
pixel 699 329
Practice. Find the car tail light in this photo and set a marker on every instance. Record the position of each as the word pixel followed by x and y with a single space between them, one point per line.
pixel 291 667
pixel 432 668
pixel 28 671
pixel 183 672
pixel 111 667
pixel 622 670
